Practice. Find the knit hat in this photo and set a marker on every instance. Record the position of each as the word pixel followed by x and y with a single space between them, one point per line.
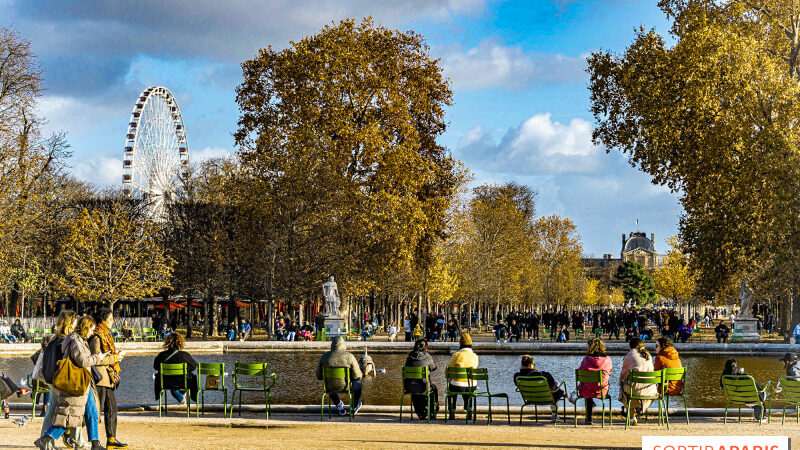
pixel 464 340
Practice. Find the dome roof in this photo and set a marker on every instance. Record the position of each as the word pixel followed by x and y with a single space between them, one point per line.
pixel 638 242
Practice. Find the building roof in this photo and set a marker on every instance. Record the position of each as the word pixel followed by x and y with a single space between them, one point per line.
pixel 638 242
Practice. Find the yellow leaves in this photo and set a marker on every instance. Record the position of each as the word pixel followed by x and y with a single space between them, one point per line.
pixel 673 278
pixel 108 255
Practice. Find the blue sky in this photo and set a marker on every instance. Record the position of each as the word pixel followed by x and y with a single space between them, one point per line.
pixel 521 104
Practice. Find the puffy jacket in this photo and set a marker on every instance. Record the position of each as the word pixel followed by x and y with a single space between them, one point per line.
pixel 71 409
pixel 463 358
pixel 339 357
pixel 418 359
pixel 635 361
pixel 599 362
pixel 668 358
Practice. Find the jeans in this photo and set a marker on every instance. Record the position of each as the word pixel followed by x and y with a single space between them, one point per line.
pixel 9 338
pixel 290 336
pixel 355 390
pixel 91 422
pixel 177 395
pixel 420 403
pixel 451 401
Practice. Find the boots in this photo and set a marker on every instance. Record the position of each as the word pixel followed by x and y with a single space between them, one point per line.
pixel 96 446
pixel 114 443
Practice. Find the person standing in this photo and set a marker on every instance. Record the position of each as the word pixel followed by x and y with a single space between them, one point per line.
pixel 103 343
pixel 73 410
pixel 407 328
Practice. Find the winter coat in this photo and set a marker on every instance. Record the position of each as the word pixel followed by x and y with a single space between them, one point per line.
pixel 595 362
pixel 793 370
pixel 71 409
pixel 418 359
pixel 668 358
pixel 635 361
pixel 339 357
pixel 463 358
pixel 105 365
pixel 170 356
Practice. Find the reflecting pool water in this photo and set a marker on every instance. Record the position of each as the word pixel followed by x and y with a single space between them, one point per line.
pixel 297 384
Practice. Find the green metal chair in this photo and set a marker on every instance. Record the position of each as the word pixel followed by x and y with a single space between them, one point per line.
pixel 173 370
pixel 791 393
pixel 149 334
pixel 213 369
pixel 696 335
pixel 598 333
pixel 116 334
pixel 742 390
pixel 37 387
pixel 592 376
pixel 257 370
pixel 738 335
pixel 322 334
pixel 33 335
pixel 335 373
pixel 416 373
pixel 461 374
pixel 635 378
pixel 676 374
pixel 535 391
pixel 475 377
pixel 579 333
pixel 549 333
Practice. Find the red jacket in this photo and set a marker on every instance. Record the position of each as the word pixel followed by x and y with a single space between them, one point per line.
pixel 595 363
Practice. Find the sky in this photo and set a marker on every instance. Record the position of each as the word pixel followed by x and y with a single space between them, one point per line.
pixel 521 109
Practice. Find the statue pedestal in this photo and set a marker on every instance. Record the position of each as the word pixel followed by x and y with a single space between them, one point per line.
pixel 334 323
pixel 749 327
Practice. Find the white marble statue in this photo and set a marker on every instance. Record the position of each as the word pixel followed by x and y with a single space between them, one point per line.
pixel 746 300
pixel 331 293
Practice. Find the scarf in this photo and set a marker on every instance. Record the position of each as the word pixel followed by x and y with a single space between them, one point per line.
pixel 107 345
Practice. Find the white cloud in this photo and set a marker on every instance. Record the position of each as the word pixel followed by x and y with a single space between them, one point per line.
pixel 538 146
pixel 493 65
pixel 100 170
pixel 208 153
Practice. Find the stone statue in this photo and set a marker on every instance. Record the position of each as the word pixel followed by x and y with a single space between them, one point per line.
pixel 331 293
pixel 746 300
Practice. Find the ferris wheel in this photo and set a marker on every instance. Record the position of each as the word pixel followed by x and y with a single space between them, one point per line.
pixel 156 150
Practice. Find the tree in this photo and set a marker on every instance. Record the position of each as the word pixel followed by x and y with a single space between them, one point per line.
pixel 672 278
pixel 713 117
pixel 337 140
pixel 557 259
pixel 591 293
pixel 637 285
pixel 108 255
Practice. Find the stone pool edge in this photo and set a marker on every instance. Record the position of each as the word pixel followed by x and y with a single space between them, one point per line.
pixel 571 348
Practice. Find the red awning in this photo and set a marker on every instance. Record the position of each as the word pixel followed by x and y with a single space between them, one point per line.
pixel 238 303
pixel 172 306
pixel 194 303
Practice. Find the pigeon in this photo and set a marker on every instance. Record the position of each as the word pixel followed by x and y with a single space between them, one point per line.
pixel 21 421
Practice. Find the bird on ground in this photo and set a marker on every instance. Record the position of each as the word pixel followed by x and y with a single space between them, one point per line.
pixel 21 421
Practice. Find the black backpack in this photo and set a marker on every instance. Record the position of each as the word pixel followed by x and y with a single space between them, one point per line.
pixel 52 355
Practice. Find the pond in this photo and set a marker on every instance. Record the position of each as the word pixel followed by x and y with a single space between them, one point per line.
pixel 297 384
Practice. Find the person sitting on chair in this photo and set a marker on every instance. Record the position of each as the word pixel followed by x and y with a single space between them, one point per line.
pixel 722 332
pixel 339 357
pixel 173 354
pixel 419 357
pixel 528 369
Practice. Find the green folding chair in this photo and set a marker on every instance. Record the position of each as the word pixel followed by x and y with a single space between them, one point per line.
pixel 549 333
pixel 173 370
pixel 258 371
pixel 420 374
pixel 335 373
pixel 643 379
pixel 460 374
pixel 592 376
pixel 149 334
pixel 696 335
pixel 33 335
pixel 37 387
pixel 536 391
pixel 738 335
pixel 598 333
pixel 579 333
pixel 475 377
pixel 212 369
pixel 791 393
pixel 742 390
pixel 676 374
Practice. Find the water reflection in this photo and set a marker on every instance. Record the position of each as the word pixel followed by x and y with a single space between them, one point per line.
pixel 296 383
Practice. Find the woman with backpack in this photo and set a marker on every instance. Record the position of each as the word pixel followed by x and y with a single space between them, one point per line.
pixel 74 409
